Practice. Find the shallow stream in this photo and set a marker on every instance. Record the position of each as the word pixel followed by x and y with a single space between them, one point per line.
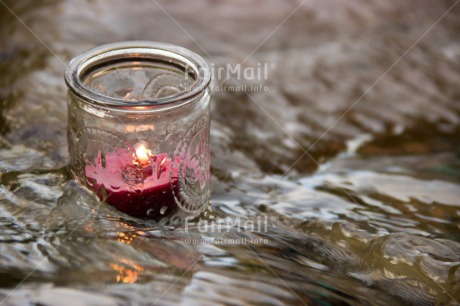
pixel 350 157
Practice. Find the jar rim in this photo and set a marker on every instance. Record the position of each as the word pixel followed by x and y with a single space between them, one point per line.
pixel 137 50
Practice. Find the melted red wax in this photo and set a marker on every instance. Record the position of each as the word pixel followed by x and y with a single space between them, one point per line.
pixel 140 190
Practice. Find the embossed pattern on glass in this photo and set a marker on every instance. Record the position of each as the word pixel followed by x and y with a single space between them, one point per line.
pixel 139 129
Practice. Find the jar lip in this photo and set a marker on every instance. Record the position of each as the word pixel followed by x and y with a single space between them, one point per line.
pixel 132 50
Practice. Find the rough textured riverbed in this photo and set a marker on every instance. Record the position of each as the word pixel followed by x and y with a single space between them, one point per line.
pixel 363 205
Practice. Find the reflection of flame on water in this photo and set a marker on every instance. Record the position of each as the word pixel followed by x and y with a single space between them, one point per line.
pixel 128 271
pixel 126 238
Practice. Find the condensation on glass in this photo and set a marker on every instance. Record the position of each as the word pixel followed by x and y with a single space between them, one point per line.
pixel 138 128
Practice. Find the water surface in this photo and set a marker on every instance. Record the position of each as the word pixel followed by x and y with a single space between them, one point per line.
pixel 362 206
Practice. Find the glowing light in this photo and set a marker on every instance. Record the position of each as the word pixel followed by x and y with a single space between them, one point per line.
pixel 139 128
pixel 128 271
pixel 142 153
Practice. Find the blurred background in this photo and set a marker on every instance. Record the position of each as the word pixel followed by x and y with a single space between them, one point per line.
pixel 352 151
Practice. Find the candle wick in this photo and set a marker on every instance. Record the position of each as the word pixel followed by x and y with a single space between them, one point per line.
pixel 136 173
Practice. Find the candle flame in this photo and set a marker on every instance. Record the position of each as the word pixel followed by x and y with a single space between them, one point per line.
pixel 143 153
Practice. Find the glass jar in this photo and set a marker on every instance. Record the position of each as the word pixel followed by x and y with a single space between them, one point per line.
pixel 138 128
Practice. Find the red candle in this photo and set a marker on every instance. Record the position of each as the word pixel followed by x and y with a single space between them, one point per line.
pixel 139 184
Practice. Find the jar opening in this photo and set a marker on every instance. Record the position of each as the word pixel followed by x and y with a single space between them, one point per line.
pixel 137 74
